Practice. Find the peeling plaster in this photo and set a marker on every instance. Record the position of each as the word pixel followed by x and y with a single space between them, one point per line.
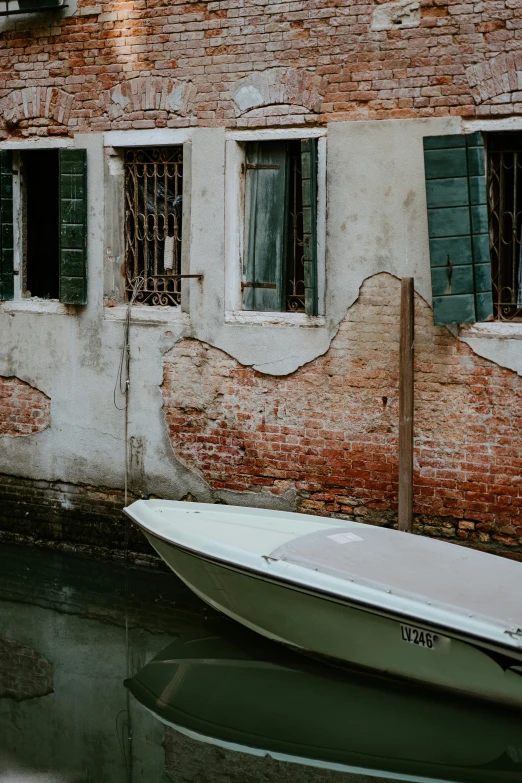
pixel 75 358
pixel 504 352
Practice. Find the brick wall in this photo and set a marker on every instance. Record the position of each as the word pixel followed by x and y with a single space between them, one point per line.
pixel 330 431
pixel 69 516
pixel 24 410
pixel 136 65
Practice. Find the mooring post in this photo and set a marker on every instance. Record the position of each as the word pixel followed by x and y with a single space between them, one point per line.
pixel 406 407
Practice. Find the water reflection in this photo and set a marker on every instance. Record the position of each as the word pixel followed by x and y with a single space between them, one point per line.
pixel 232 688
pixel 72 630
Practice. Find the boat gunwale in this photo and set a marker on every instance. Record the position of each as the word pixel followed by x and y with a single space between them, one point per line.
pixel 325 595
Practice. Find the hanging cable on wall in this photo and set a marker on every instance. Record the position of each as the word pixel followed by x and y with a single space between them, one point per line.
pixel 122 385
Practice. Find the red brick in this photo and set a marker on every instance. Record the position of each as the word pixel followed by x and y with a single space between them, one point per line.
pixel 466 465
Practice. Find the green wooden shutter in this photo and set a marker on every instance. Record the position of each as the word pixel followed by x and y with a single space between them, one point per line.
pixel 309 177
pixel 6 225
pixel 266 218
pixel 73 226
pixel 458 228
pixel 479 226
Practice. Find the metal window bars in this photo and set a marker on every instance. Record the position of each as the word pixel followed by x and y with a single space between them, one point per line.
pixel 295 289
pixel 153 201
pixel 504 186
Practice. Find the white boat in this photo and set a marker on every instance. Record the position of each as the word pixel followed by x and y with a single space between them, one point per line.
pixel 356 594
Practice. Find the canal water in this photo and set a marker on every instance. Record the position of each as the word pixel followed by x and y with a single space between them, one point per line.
pixel 111 674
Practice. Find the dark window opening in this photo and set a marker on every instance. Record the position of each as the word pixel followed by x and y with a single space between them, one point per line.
pixel 279 263
pixel 153 218
pixel 504 187
pixel 40 223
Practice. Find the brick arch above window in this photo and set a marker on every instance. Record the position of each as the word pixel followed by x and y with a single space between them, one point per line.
pixel 36 102
pixel 498 80
pixel 149 94
pixel 294 88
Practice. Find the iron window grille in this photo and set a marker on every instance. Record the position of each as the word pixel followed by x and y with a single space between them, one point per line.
pixel 153 218
pixel 295 287
pixel 504 187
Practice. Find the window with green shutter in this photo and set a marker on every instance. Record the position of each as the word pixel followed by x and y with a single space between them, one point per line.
pixel 53 219
pixel 73 226
pixel 458 228
pixel 280 261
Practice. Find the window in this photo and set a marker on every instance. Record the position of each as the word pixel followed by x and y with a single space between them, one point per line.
pixel 280 249
pixel 40 231
pixel 504 187
pixel 153 219
pixel 52 218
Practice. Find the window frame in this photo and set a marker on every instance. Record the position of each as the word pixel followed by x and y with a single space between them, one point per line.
pixel 496 327
pixel 115 143
pixel 19 301
pixel 499 265
pixel 235 229
pixel 18 249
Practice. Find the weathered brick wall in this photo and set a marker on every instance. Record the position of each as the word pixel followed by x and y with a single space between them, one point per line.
pixel 69 516
pixel 24 409
pixel 330 429
pixel 139 65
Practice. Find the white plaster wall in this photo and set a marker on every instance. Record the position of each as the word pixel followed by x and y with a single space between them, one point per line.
pixel 376 221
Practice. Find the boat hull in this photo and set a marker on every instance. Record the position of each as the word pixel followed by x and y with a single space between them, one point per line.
pixel 329 627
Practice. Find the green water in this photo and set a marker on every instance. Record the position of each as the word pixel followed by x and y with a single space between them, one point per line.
pixel 73 630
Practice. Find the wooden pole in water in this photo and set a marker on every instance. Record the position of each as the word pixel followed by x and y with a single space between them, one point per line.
pixel 406 407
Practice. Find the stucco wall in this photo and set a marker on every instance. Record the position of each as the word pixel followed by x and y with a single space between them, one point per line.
pixel 376 222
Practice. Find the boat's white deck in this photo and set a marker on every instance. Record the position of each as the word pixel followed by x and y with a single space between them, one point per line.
pixel 415 567
pixel 254 530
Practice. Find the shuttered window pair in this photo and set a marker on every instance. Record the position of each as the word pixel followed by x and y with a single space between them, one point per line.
pixel 72 228
pixel 280 262
pixel 458 228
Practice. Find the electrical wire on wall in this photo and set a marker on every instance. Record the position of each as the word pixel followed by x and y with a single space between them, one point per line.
pixel 122 386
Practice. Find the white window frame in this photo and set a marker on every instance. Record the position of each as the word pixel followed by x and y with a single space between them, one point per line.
pixel 115 142
pixel 235 224
pixel 492 329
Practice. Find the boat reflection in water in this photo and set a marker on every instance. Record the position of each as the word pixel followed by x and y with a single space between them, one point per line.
pixel 229 687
